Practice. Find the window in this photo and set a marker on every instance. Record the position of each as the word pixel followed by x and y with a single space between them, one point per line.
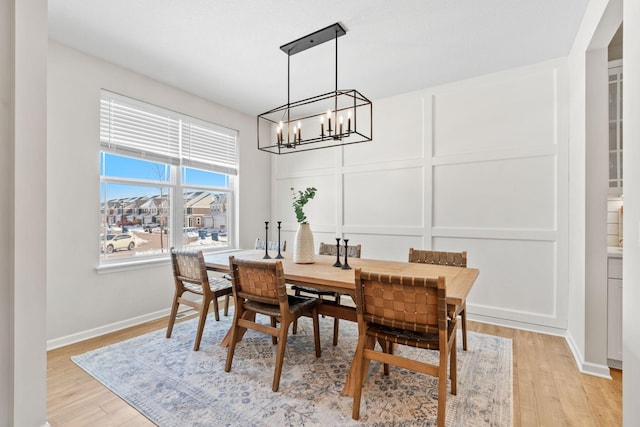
pixel 166 180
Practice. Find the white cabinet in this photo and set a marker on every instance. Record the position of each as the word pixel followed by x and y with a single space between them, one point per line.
pixel 614 309
pixel 615 127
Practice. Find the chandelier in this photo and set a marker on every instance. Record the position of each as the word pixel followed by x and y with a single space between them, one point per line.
pixel 340 117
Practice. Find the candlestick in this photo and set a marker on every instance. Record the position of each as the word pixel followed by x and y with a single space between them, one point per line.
pixel 340 125
pixel 337 263
pixel 329 120
pixel 322 127
pixel 349 122
pixel 266 240
pixel 279 256
pixel 346 265
pixel 299 131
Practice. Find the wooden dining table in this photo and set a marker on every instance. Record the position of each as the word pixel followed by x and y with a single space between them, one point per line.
pixel 322 275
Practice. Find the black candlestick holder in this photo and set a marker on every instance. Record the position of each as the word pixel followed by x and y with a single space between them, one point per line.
pixel 279 256
pixel 346 265
pixel 266 240
pixel 337 263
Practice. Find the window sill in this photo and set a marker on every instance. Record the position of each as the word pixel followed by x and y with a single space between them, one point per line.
pixel 117 267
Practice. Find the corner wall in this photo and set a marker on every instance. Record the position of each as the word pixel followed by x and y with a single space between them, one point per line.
pixel 587 201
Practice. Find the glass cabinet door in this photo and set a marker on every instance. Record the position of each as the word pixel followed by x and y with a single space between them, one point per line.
pixel 615 127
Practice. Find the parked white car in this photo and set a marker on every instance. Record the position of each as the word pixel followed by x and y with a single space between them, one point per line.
pixel 116 242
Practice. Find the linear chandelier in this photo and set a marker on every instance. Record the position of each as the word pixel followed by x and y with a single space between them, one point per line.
pixel 340 117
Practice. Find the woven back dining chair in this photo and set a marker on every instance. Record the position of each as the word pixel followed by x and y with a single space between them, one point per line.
pixel 259 288
pixel 456 259
pixel 353 251
pixel 190 276
pixel 409 311
pixel 272 245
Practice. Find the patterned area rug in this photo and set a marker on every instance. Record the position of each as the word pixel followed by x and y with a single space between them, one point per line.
pixel 172 385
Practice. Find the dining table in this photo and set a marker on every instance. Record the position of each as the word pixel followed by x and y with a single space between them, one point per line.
pixel 321 274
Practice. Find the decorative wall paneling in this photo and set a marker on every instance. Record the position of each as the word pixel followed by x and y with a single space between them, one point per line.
pixel 471 166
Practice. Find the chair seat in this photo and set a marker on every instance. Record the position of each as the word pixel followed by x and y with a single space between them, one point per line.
pixel 216 285
pixel 424 340
pixel 313 291
pixel 296 305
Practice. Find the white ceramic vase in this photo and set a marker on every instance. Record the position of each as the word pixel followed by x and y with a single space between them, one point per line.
pixel 303 247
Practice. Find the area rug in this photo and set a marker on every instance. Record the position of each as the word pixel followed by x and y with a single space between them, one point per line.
pixel 172 385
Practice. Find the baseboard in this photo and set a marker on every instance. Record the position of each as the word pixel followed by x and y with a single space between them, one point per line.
pixel 514 324
pixel 615 364
pixel 588 368
pixel 102 330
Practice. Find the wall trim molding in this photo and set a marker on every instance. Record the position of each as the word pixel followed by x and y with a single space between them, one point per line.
pixel 548 150
pixel 544 235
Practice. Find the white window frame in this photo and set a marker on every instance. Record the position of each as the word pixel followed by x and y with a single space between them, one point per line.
pixel 196 144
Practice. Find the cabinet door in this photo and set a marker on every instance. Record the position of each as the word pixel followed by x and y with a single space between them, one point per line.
pixel 615 127
pixel 615 319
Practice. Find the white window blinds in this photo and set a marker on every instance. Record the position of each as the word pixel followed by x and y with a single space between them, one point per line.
pixel 133 128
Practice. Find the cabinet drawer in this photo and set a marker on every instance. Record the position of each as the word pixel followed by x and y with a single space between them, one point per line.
pixel 615 268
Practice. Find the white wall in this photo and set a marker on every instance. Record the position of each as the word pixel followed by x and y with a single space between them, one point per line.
pixel 631 269
pixel 82 303
pixel 23 44
pixel 479 165
pixel 6 214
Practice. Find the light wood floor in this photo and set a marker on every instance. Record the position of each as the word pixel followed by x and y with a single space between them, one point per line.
pixel 548 389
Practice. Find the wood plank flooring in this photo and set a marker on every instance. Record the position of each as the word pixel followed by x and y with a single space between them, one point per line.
pixel 548 389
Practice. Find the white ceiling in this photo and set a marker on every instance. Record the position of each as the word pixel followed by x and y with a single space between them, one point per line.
pixel 228 50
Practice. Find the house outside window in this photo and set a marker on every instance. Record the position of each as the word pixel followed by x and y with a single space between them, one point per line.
pixel 166 180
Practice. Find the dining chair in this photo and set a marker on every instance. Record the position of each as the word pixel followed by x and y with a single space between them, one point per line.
pixel 457 259
pixel 404 310
pixel 190 276
pixel 353 251
pixel 272 245
pixel 259 288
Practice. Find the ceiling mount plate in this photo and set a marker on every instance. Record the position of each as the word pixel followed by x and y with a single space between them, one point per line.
pixel 310 40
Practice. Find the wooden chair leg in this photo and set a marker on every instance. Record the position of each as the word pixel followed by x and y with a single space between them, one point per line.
pixel 387 347
pixel 174 313
pixel 274 323
pixel 203 318
pixel 282 346
pixel 226 305
pixel 442 388
pixel 295 321
pixel 316 331
pixel 233 339
pixel 216 309
pixel 359 373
